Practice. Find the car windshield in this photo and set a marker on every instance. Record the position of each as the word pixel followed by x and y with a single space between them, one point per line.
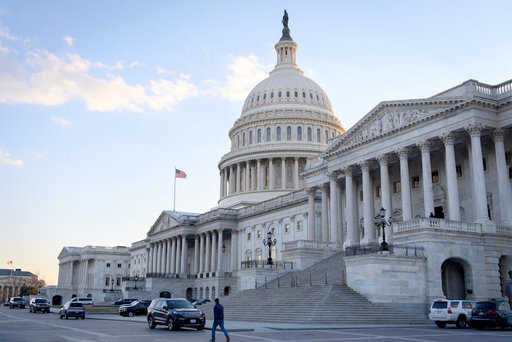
pixel 485 306
pixel 18 299
pixel 41 301
pixel 179 304
pixel 84 299
pixel 75 305
pixel 440 305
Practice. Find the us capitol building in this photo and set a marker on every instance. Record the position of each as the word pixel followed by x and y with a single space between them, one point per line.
pixel 440 167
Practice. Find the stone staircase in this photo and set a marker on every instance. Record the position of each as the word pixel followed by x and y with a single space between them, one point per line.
pixel 296 300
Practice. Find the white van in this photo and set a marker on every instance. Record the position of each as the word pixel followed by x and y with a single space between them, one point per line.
pixel 83 300
pixel 451 311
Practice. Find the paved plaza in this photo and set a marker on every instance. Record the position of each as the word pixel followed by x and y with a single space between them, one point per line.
pixel 20 326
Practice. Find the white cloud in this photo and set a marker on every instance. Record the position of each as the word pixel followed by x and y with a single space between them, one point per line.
pixel 134 64
pixel 69 40
pixel 245 73
pixel 61 121
pixel 161 71
pixel 49 80
pixel 5 34
pixel 5 158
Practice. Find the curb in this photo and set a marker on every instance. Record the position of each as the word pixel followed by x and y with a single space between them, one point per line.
pixel 353 327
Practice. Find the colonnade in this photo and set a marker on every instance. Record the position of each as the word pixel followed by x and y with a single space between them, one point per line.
pixel 170 256
pixel 331 190
pixel 258 175
pixel 7 292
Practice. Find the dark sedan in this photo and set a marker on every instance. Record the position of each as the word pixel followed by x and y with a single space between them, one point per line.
pixel 138 307
pixel 125 301
pixel 492 313
pixel 174 313
pixel 17 302
pixel 39 304
pixel 72 309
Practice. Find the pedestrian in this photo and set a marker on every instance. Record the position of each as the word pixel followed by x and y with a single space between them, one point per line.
pixel 218 320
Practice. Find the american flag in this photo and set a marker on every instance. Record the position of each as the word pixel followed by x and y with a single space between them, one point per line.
pixel 9 262
pixel 180 174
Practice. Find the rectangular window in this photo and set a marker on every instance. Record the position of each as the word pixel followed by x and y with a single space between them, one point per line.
pixel 454 304
pixel 259 135
pixel 299 133
pixel 508 157
pixel 108 265
pixel 119 265
pixel 118 281
pixel 258 234
pixel 459 171
pixel 361 195
pixel 249 236
pixel 288 133
pixel 397 187
pixel 415 182
pixel 286 228
pixel 299 226
pixel 510 172
pixel 250 137
pixel 107 281
pixel 278 137
pixel 318 135
pixel 435 176
pixel 378 191
pixel 485 164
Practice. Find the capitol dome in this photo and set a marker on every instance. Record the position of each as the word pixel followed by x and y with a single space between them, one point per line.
pixel 286 119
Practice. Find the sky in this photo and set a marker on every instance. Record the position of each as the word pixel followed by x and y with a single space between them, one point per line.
pixel 100 100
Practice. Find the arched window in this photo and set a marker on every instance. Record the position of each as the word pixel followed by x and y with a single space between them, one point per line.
pixel 288 133
pixel 250 137
pixel 287 94
pixel 268 133
pixel 309 134
pixel 304 94
pixel 299 133
pixel 259 255
pixel 296 94
pixel 278 134
pixel 318 135
pixel 243 139
pixel 279 94
pixel 259 135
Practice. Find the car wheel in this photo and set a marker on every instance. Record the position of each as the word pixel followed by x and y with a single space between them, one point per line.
pixel 440 324
pixel 151 323
pixel 200 328
pixel 130 314
pixel 83 317
pixel 461 322
pixel 170 325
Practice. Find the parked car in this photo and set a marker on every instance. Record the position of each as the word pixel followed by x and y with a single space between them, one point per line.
pixel 125 301
pixel 448 311
pixel 39 304
pixel 17 302
pixel 491 313
pixel 174 313
pixel 72 309
pixel 138 307
pixel 83 300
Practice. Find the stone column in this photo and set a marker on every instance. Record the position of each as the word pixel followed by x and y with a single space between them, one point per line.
pixel 405 184
pixel 149 266
pixel 270 173
pixel 370 236
pixel 195 269
pixel 352 239
pixel 201 253
pixel 334 190
pixel 220 271
pixel 238 182
pixel 234 251
pixel 385 186
pixel 428 193
pixel 207 254
pixel 178 254
pixel 325 212
pixel 258 174
pixel 247 175
pixel 158 256
pixel 283 173
pixel 213 258
pixel 504 187
pixel 451 177
pixel 164 257
pixel 296 172
pixel 232 179
pixel 173 255
pixel 311 214
pixel 253 177
pixel 184 254
pixel 221 185
pixel 225 183
pixel 481 215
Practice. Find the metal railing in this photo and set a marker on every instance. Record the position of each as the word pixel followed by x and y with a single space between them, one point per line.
pixel 436 223
pixel 262 264
pixel 415 251
pixel 133 278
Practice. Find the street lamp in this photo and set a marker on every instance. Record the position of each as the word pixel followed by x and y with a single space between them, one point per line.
pixel 269 243
pixel 381 222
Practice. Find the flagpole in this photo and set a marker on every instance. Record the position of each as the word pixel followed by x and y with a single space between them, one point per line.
pixel 174 200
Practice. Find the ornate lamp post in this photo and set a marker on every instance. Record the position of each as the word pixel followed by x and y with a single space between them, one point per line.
pixel 269 243
pixel 381 222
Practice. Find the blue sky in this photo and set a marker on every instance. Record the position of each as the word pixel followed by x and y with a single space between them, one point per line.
pixel 100 100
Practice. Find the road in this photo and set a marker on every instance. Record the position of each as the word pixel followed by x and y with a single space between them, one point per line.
pixel 21 326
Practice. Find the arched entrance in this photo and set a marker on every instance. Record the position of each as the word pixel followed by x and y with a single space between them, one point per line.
pixel 454 275
pixel 189 294
pixel 57 300
pixel 165 294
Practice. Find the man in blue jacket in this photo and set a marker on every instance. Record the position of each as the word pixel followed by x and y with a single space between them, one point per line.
pixel 218 320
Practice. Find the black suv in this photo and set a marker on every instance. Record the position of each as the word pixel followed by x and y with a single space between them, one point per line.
pixel 72 309
pixel 39 304
pixel 125 301
pixel 174 313
pixel 17 302
pixel 492 313
pixel 139 307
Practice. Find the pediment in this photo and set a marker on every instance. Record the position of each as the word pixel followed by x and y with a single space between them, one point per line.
pixel 164 222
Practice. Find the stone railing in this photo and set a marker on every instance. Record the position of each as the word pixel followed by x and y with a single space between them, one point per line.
pixel 435 223
pixel 293 197
pixel 503 229
pixel 217 213
pixel 308 244
pixel 262 264
pixel 499 91
pixel 411 251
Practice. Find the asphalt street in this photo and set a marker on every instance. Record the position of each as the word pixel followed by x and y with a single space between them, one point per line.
pixel 20 326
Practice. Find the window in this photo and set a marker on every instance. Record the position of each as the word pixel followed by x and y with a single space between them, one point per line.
pixel 258 234
pixel 309 134
pixel 454 304
pixel 119 265
pixel 257 98
pixel 299 226
pixel 250 137
pixel 249 236
pixel 299 133
pixel 296 94
pixel 318 135
pixel 397 187
pixel 467 305
pixel 107 281
pixel 459 170
pixel 508 157
pixel 317 98
pixel 118 281
pixel 326 136
pixel 435 176
pixel 278 134
pixel 272 95
pixel 361 195
pixel 415 182
pixel 288 133
pixel 303 94
pixel 510 172
pixel 259 135
pixel 311 96
pixel 108 265
pixel 279 94
pixel 333 134
pixel 286 228
pixel 378 191
pixel 287 94
pixel 264 96
pixel 238 141
pixel 273 230
pixel 268 133
pixel 485 164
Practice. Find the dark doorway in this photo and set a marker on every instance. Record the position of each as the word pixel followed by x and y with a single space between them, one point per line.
pixel 226 291
pixel 57 300
pixel 453 278
pixel 165 294
pixel 439 212
pixel 189 294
